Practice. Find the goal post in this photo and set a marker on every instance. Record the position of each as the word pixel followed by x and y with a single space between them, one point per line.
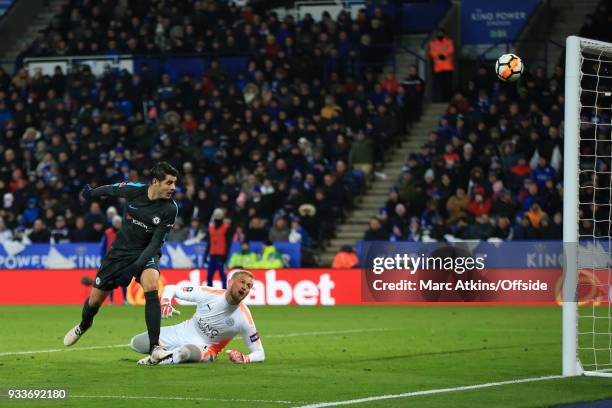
pixel 570 205
pixel 587 208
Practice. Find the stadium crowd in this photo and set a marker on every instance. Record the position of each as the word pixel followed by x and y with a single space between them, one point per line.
pixel 283 147
pixel 490 170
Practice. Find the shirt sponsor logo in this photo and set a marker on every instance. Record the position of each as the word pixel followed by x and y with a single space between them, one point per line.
pixel 188 289
pixel 254 337
pixel 207 329
pixel 140 224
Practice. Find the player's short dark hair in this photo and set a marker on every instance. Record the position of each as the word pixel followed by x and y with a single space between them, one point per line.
pixel 162 169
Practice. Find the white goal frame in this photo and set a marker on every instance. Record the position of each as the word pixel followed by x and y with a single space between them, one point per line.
pixel 573 75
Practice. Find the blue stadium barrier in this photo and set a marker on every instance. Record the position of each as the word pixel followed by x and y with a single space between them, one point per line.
pixel 87 255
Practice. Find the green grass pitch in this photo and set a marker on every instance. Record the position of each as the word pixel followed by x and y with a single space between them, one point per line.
pixel 314 354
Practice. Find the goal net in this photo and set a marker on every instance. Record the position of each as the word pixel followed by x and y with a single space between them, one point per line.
pixel 587 208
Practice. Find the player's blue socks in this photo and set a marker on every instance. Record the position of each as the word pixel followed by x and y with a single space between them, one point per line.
pixel 87 316
pixel 152 317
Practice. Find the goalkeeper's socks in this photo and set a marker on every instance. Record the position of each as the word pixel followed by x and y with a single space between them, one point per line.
pixel 87 316
pixel 152 317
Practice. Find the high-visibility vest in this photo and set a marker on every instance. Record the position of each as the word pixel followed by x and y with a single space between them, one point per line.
pixel 239 259
pixel 218 239
pixel 445 48
pixel 345 260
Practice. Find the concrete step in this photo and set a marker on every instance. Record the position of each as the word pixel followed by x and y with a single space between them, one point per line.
pixel 365 212
pixel 371 206
pixel 335 245
pixel 334 249
pixel 371 199
pixel 349 229
pixel 362 219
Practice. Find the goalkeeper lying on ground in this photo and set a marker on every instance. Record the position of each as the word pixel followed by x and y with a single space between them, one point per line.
pixel 220 315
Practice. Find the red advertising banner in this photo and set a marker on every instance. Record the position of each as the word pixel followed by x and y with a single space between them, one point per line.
pixel 271 287
pixel 321 287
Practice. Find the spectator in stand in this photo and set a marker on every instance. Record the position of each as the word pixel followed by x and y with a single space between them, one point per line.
pixel 31 213
pixel 40 234
pixel 60 233
pixel 504 205
pixel 480 204
pixel 414 233
pixel 256 230
pixel 179 232
pixel 80 232
pixel 543 172
pixel 279 231
pixel 503 229
pixel 361 155
pixel 535 215
pixel 441 50
pixel 457 206
pixel 482 229
pixel 376 232
pixel 413 87
pixel 195 233
pixel 522 230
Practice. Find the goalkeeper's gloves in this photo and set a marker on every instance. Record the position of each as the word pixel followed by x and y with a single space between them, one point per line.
pixel 167 310
pixel 237 357
pixel 86 192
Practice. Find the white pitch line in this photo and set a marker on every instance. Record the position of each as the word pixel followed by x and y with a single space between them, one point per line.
pixel 319 333
pixel 18 353
pixel 429 392
pixel 324 333
pixel 132 397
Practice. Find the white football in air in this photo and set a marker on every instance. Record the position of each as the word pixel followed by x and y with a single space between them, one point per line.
pixel 509 67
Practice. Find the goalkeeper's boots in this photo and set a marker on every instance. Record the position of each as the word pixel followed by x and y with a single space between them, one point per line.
pixel 160 354
pixel 73 335
pixel 145 361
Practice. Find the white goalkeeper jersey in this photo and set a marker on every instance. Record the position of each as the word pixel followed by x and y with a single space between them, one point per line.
pixel 218 322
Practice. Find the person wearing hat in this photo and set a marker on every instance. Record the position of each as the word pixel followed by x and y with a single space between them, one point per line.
pixel 345 258
pixel 219 238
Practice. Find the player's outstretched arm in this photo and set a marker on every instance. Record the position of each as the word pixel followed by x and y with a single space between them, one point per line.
pixel 125 190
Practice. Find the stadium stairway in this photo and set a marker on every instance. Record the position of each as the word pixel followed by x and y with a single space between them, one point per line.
pixel 357 221
pixel 21 42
